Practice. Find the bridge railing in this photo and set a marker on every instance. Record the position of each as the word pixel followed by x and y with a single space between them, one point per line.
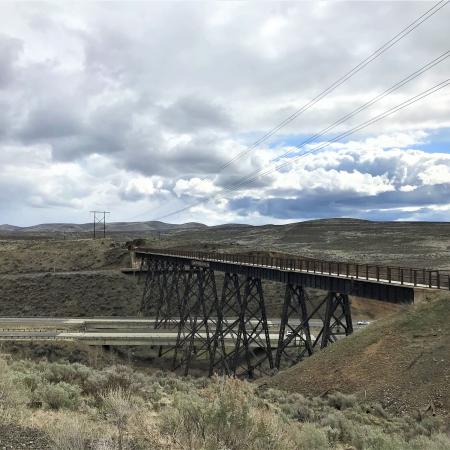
pixel 438 279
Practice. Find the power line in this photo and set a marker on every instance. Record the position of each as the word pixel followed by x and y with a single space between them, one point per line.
pixel 359 127
pixel 399 36
pixel 363 107
pixel 366 105
pixel 374 55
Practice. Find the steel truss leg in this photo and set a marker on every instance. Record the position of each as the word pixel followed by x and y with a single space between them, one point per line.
pixel 228 320
pixel 338 318
pixel 294 341
pixel 150 295
pixel 253 346
pixel 167 307
pixel 197 333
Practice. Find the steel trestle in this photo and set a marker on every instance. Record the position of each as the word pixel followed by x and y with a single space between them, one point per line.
pixel 231 334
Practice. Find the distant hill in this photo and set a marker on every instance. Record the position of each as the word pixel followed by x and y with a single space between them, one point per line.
pixel 111 227
pixel 6 227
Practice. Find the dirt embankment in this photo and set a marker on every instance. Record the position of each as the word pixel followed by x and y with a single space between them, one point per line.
pixel 74 294
pixel 403 361
pixel 28 256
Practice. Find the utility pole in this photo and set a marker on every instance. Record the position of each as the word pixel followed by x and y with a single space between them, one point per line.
pixel 99 219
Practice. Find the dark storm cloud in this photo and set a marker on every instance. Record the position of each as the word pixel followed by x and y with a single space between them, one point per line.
pixel 190 114
pixel 51 122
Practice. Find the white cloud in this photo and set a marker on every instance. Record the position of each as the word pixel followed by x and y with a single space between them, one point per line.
pixel 436 174
pixel 194 187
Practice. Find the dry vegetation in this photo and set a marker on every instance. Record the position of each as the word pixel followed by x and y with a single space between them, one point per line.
pixel 75 407
pixel 403 362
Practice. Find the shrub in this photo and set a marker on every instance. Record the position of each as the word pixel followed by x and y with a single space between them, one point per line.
pixel 119 406
pixel 341 429
pixel 312 437
pixel 13 396
pixel 223 416
pixel 341 401
pixel 59 395
pixel 70 433
pixel 378 410
pixel 438 441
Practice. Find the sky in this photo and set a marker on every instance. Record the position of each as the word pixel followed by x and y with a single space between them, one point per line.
pixel 138 108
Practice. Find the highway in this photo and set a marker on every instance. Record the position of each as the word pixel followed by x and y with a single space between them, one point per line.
pixel 167 338
pixel 110 331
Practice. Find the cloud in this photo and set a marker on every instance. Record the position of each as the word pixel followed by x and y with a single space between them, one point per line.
pixel 10 49
pixel 189 114
pixel 195 187
pixel 139 122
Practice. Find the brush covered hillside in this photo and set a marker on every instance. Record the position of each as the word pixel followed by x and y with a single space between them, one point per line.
pixel 60 406
pixel 402 361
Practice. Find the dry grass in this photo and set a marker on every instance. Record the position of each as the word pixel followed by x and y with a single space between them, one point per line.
pixel 117 408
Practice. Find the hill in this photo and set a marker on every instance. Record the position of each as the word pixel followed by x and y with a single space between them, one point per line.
pixel 403 361
pixel 111 227
pixel 408 244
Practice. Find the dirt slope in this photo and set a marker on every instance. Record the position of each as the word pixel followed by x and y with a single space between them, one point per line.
pixel 402 361
pixel 27 256
pixel 72 294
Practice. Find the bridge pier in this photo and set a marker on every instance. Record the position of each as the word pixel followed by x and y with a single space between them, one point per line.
pixel 337 316
pixel 198 303
pixel 294 340
pixel 253 331
pixel 228 321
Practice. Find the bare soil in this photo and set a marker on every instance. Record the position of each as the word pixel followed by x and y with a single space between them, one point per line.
pixel 72 294
pixel 402 362
pixel 48 255
pixel 14 437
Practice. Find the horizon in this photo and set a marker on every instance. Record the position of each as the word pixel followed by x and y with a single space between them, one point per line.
pixel 178 118
pixel 228 223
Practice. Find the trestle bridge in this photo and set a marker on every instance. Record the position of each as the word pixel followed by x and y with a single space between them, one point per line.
pixel 230 330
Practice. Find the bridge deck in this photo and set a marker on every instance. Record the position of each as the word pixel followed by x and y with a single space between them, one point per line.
pixel 393 284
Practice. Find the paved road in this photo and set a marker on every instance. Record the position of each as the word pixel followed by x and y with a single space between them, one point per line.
pixel 105 331
pixel 102 324
pixel 153 338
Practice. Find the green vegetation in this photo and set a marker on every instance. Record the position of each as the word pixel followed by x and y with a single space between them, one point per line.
pixel 77 407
